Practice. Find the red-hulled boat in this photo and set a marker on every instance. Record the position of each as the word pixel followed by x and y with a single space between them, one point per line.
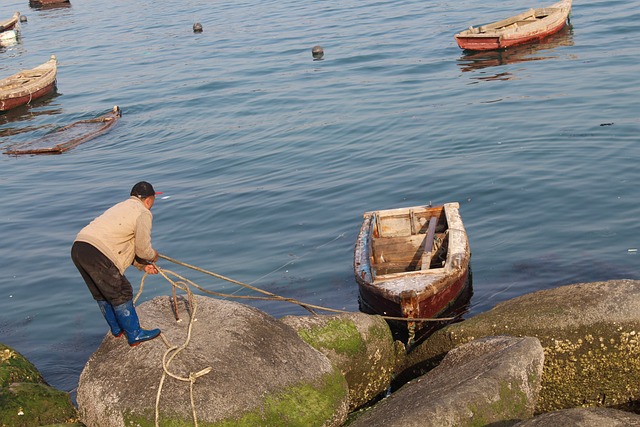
pixel 526 27
pixel 28 85
pixel 411 262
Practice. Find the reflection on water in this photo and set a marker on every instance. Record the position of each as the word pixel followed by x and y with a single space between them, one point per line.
pixel 543 50
pixel 41 107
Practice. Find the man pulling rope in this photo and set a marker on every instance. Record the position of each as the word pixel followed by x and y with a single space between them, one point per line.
pixel 103 250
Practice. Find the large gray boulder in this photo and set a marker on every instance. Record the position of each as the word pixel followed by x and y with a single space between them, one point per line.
pixel 359 344
pixel 26 400
pixel 262 372
pixel 490 381
pixel 589 332
pixel 583 417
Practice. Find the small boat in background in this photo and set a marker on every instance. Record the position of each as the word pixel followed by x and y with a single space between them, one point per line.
pixel 9 24
pixel 28 85
pixel 49 4
pixel 70 136
pixel 411 262
pixel 529 26
pixel 470 61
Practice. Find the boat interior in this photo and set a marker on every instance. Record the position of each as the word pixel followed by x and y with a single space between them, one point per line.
pixel 518 21
pixel 411 241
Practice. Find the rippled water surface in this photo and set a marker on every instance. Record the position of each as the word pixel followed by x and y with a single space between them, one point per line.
pixel 268 159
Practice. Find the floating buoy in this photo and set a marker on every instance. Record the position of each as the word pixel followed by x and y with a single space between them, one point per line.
pixel 23 18
pixel 197 27
pixel 317 52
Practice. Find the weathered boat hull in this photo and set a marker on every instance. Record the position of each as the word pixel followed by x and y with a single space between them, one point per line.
pixel 390 256
pixel 10 24
pixel 428 307
pixel 26 86
pixel 68 137
pixel 47 2
pixel 527 27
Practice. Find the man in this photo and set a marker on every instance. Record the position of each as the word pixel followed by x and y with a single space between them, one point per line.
pixel 103 250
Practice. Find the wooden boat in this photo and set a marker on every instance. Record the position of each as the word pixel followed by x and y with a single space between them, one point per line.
pixel 529 26
pixel 70 136
pixel 28 85
pixel 470 61
pixel 9 24
pixel 411 262
pixel 45 3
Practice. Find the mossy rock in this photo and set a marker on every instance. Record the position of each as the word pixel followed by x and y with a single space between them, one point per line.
pixel 590 334
pixel 359 344
pixel 262 372
pixel 14 367
pixel 25 398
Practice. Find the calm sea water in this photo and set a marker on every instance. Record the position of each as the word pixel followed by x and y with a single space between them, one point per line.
pixel 268 159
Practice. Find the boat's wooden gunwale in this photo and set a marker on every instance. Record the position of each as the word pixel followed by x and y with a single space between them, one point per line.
pixel 9 24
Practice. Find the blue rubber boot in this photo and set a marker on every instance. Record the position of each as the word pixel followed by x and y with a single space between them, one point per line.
pixel 110 317
pixel 128 320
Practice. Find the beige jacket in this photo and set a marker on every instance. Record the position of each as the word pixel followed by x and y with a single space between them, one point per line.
pixel 121 233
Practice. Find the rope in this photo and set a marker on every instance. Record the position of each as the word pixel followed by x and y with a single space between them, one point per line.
pixel 274 297
pixel 175 350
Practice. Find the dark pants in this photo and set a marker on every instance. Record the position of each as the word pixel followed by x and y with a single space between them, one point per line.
pixel 101 275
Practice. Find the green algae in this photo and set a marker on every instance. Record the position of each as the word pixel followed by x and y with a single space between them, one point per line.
pixel 339 335
pixel 300 405
pixel 14 367
pixel 511 405
pixel 25 398
pixel 597 364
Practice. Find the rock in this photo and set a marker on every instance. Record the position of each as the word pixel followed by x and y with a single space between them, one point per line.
pixel 25 398
pixel 490 381
pixel 262 372
pixel 358 344
pixel 589 332
pixel 583 417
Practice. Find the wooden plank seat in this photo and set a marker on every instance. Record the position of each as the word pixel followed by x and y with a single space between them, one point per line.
pixel 428 245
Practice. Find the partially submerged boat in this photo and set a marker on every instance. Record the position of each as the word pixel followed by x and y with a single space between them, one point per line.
pixel 526 27
pixel 411 262
pixel 28 85
pixel 9 24
pixel 70 136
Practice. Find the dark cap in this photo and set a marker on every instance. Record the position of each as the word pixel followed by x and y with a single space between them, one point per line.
pixel 143 190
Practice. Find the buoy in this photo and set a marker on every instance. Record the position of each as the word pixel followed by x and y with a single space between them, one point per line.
pixel 197 27
pixel 317 52
pixel 23 18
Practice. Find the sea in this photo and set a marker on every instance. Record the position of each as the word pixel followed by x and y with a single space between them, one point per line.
pixel 267 157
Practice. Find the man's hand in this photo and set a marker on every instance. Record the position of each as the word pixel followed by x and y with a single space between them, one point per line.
pixel 151 269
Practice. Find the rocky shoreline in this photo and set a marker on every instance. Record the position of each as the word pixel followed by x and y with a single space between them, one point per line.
pixel 563 356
